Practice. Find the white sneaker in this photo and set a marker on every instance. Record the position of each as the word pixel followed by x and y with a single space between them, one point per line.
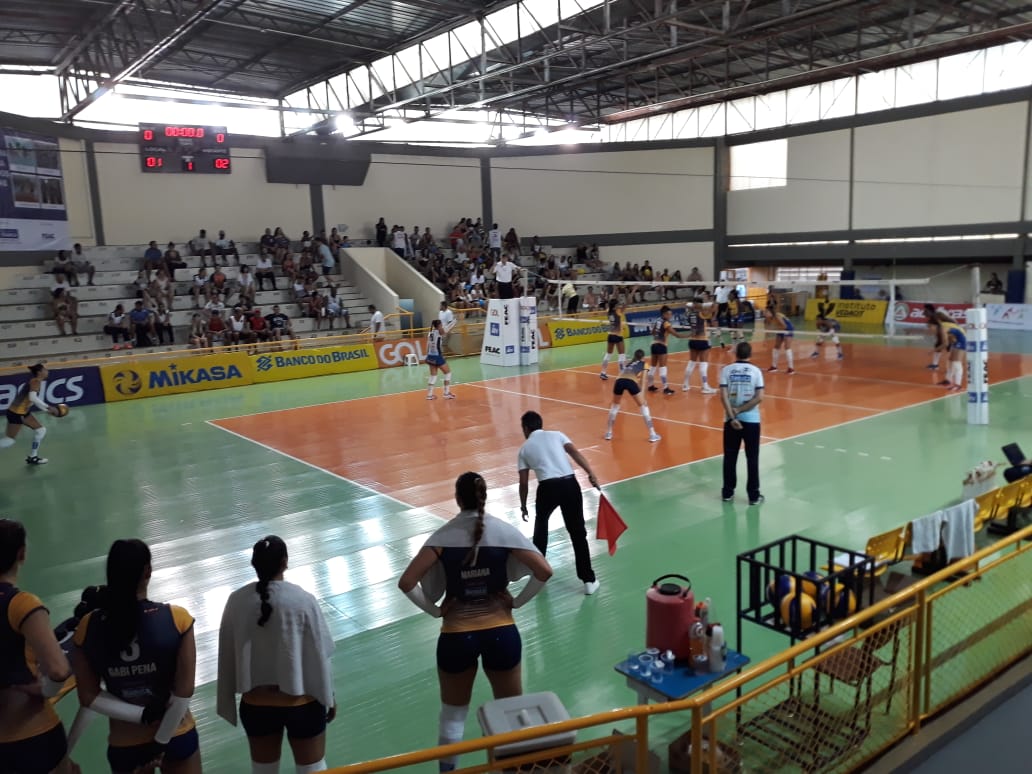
pixel 685 387
pixel 591 588
pixel 449 396
pixel 655 437
pixel 707 390
pixel 431 396
pixel 608 436
pixel 39 461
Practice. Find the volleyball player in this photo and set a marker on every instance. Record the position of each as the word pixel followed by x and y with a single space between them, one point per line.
pixel 135 662
pixel 470 562
pixel 435 359
pixel 939 343
pixel 734 317
pixel 615 340
pixel 275 650
pixel 629 381
pixel 956 345
pixel 783 341
pixel 661 329
pixel 32 739
pixel 700 315
pixel 27 400
pixel 830 326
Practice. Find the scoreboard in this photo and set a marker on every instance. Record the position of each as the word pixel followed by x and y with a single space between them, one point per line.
pixel 182 148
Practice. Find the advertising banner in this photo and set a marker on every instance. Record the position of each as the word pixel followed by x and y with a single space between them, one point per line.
pixel 392 353
pixel 912 312
pixel 566 333
pixel 501 333
pixel 323 361
pixel 171 376
pixel 528 330
pixel 978 367
pixel 33 213
pixel 74 386
pixel 1009 317
pixel 848 310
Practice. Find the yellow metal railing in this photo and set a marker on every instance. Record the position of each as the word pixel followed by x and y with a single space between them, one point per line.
pixel 829 703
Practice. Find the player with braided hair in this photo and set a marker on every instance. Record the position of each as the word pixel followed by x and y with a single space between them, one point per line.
pixel 280 692
pixel 470 562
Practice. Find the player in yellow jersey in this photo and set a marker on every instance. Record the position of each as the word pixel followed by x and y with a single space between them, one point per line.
pixel 25 402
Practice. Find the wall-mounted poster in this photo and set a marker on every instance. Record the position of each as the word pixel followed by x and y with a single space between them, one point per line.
pixel 33 212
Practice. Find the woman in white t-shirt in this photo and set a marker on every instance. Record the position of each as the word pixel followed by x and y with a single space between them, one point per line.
pixel 247 286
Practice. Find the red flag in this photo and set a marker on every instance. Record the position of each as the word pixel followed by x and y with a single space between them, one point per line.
pixel 609 525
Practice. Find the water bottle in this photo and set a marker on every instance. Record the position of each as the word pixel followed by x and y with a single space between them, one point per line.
pixel 717 649
pixel 697 646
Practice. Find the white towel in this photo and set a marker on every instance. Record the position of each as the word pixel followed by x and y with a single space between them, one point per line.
pixel 926 532
pixel 959 533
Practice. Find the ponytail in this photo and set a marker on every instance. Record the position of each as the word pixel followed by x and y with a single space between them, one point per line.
pixel 471 493
pixel 267 558
pixel 127 563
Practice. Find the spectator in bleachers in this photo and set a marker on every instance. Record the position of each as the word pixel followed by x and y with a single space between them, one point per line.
pixel 214 305
pixel 300 291
pixel 60 286
pixel 141 325
pixel 994 285
pixel 117 327
pixel 163 325
pixel 238 331
pixel 326 259
pixel 152 258
pixel 335 308
pixel 216 329
pixel 141 288
pixel 281 244
pixel 198 336
pixel 426 241
pixel 66 312
pixel 218 284
pixel 264 270
pixel 304 263
pixel 200 246
pixel 335 241
pixel 64 269
pixel 494 242
pixel 81 264
pixel 279 324
pixel 306 241
pixel 413 243
pixel 247 287
pixel 259 326
pixel 399 241
pixel 696 275
pixel 595 258
pixel 289 269
pixel 381 232
pixel 161 289
pixel 226 247
pixel 199 287
pixel 317 308
pixel 173 261
pixel 535 246
pixel 267 242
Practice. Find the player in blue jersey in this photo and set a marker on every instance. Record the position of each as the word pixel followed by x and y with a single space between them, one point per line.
pixel 435 359
pixel 135 662
pixel 782 326
pixel 629 381
pixel 827 326
pixel 661 329
pixel 956 345
pixel 615 340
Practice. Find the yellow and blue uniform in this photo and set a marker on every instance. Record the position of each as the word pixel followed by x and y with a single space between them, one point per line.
pixel 956 338
pixel 660 331
pixel 32 738
pixel 734 313
pixel 22 405
pixel 829 325
pixel 138 674
pixel 627 381
pixel 698 320
pixel 615 328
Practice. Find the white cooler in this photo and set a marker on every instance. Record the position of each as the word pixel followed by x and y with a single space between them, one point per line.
pixel 518 712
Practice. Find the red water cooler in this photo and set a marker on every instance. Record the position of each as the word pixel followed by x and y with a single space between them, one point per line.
pixel 669 616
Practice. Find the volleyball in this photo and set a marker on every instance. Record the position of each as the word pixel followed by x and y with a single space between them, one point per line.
pixel 840 601
pixel 778 589
pixel 799 611
pixel 62 409
pixel 813 584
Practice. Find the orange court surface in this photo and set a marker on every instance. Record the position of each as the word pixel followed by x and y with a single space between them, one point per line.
pixel 411 449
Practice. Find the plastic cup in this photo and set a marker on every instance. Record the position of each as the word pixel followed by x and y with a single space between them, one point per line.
pixel 646 673
pixel 657 677
pixel 645 660
pixel 654 652
pixel 632 662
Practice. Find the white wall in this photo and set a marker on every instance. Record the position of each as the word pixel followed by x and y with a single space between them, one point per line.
pixel 815 198
pixel 77 191
pixel 684 256
pixel 949 283
pixel 409 283
pixel 604 193
pixel 940 170
pixel 138 207
pixel 410 191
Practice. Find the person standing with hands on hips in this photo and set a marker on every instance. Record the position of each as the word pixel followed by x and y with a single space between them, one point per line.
pixel 545 452
pixel 741 390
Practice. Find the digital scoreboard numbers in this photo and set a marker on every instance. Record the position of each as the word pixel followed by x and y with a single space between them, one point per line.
pixel 185 148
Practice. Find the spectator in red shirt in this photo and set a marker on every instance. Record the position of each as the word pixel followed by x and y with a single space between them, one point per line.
pixel 216 329
pixel 259 327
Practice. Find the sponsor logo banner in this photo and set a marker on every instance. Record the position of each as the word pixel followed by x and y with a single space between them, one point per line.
pixel 169 377
pixel 277 366
pixel 565 333
pixel 74 386
pixel 1014 317
pixel 392 353
pixel 912 312
pixel 848 310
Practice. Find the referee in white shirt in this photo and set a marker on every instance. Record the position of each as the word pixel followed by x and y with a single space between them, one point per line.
pixel 545 452
pixel 503 275
pixel 741 390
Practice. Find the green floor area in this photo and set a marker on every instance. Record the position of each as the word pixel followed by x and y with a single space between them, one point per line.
pixel 201 497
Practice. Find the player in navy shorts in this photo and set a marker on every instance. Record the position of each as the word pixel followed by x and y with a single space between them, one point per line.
pixel 831 327
pixel 435 359
pixel 783 327
pixel 615 340
pixel 629 381
pixel 661 329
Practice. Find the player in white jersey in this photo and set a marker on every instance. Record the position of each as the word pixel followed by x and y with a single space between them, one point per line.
pixel 435 359
pixel 630 380
pixel 615 339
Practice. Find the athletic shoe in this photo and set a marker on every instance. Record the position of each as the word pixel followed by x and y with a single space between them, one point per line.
pixel 603 377
pixel 840 356
pixel 945 383
pixel 685 387
pixel 591 587
pixel 608 436
pixel 431 397
pixel 655 437
pixel 772 369
pixel 729 499
pixel 707 390
pixel 449 396
pixel 814 356
pixel 791 371
pixel 36 460
pixel 955 388
pixel 759 499
pixel 667 391
pixel 932 367
pixel 653 388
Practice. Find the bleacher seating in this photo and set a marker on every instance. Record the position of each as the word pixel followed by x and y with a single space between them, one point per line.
pixel 29 333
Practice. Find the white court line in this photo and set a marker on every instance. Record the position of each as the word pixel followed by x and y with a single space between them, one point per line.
pixel 606 409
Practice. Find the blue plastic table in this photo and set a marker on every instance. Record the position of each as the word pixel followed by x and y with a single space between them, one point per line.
pixel 680 682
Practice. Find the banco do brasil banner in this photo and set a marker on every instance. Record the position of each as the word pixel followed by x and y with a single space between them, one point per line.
pixel 277 366
pixel 848 310
pixel 73 386
pixel 565 333
pixel 171 376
